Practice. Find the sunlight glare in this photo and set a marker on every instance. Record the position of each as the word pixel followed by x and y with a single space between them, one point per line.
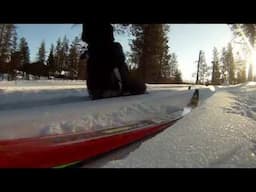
pixel 252 59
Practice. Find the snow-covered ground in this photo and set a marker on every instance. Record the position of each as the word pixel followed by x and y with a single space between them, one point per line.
pixel 33 108
pixel 220 132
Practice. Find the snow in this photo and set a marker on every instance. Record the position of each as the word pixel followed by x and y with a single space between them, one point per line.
pixel 24 85
pixel 220 132
pixel 37 108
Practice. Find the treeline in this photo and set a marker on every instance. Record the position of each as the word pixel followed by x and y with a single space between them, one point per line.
pixel 225 67
pixel 61 61
pixel 228 68
pixel 150 57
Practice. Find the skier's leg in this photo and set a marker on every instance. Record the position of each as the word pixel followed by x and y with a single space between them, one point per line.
pixel 99 37
pixel 129 85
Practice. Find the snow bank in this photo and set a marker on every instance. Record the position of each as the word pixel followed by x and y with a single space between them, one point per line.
pixel 32 108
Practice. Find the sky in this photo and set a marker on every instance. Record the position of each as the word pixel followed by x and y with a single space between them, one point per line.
pixel 186 40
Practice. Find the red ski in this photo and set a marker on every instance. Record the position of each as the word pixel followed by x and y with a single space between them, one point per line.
pixel 62 149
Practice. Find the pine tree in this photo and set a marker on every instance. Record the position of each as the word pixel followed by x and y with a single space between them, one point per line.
pixel 165 59
pixel 177 75
pixel 24 54
pixel 203 69
pixel 14 54
pixel 65 53
pixel 51 62
pixel 224 66
pixel 228 65
pixel 150 55
pixel 74 58
pixel 14 64
pixel 58 56
pixel 231 64
pixel 148 50
pixel 62 54
pixel 166 72
pixel 14 42
pixel 173 64
pixel 24 51
pixel 41 56
pixel 7 41
pixel 215 67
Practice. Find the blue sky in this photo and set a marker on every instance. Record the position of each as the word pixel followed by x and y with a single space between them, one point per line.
pixel 186 40
pixel 36 33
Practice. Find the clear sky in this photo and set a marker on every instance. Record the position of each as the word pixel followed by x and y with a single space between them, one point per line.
pixel 186 40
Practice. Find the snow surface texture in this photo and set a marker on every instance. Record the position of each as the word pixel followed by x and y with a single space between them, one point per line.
pixel 221 132
pixel 38 108
pixel 245 101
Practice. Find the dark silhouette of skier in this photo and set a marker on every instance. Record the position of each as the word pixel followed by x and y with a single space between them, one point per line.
pixel 107 72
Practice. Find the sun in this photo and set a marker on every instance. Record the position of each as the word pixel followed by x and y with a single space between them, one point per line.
pixel 252 57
